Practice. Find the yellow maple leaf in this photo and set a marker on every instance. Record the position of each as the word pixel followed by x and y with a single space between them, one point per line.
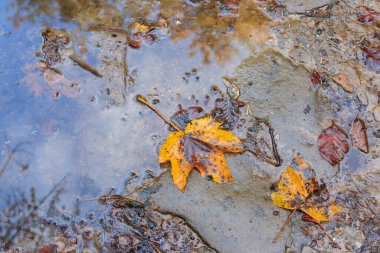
pixel 201 146
pixel 295 187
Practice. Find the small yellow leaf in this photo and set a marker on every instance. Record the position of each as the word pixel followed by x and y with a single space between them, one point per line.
pixel 294 189
pixel 316 212
pixel 291 190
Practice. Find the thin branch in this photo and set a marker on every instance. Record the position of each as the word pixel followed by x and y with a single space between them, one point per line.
pixel 142 100
pixel 276 159
pixel 84 65
pixel 11 156
pixel 283 226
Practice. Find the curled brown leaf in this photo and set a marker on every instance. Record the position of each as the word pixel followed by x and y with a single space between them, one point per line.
pixel 358 135
pixel 332 144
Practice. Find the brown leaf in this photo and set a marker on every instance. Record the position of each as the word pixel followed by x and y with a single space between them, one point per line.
pixel 332 144
pixel 371 57
pixel 343 81
pixel 366 15
pixel 50 248
pixel 316 78
pixel 358 135
pixel 134 43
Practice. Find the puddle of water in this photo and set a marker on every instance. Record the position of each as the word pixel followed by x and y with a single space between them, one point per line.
pixel 69 145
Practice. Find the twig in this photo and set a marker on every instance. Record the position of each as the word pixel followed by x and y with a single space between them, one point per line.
pixel 274 148
pixel 283 226
pixel 24 217
pixel 156 249
pixel 263 155
pixel 11 156
pixel 277 161
pixel 84 65
pixel 332 240
pixel 142 100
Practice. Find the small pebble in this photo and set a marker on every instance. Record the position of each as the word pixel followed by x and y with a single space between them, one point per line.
pixel 376 113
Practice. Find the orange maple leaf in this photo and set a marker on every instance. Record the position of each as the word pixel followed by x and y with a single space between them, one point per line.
pixel 201 146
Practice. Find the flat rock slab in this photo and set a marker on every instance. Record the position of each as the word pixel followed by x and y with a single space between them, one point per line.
pixel 233 217
pixel 238 216
pixel 301 6
pixel 281 91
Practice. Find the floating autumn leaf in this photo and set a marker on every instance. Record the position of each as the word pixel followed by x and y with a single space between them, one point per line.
pixel 201 146
pixel 358 135
pixel 296 190
pixel 332 144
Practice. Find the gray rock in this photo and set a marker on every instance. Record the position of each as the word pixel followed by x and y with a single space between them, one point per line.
pixel 301 6
pixel 279 90
pixel 233 217
pixel 230 217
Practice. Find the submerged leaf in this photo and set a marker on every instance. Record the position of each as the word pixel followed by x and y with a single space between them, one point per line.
pixel 201 146
pixel 182 117
pixel 332 144
pixel 358 135
pixel 295 187
pixel 227 111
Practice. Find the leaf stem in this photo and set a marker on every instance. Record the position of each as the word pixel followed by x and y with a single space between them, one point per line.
pixel 283 226
pixel 142 100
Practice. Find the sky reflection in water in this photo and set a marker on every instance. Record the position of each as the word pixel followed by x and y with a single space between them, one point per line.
pixel 83 139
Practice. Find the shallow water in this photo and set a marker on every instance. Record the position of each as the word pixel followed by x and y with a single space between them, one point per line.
pixel 78 135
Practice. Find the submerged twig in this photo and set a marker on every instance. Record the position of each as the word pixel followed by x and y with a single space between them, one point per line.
pixel 24 217
pixel 142 100
pixel 11 156
pixel 84 65
pixel 283 226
